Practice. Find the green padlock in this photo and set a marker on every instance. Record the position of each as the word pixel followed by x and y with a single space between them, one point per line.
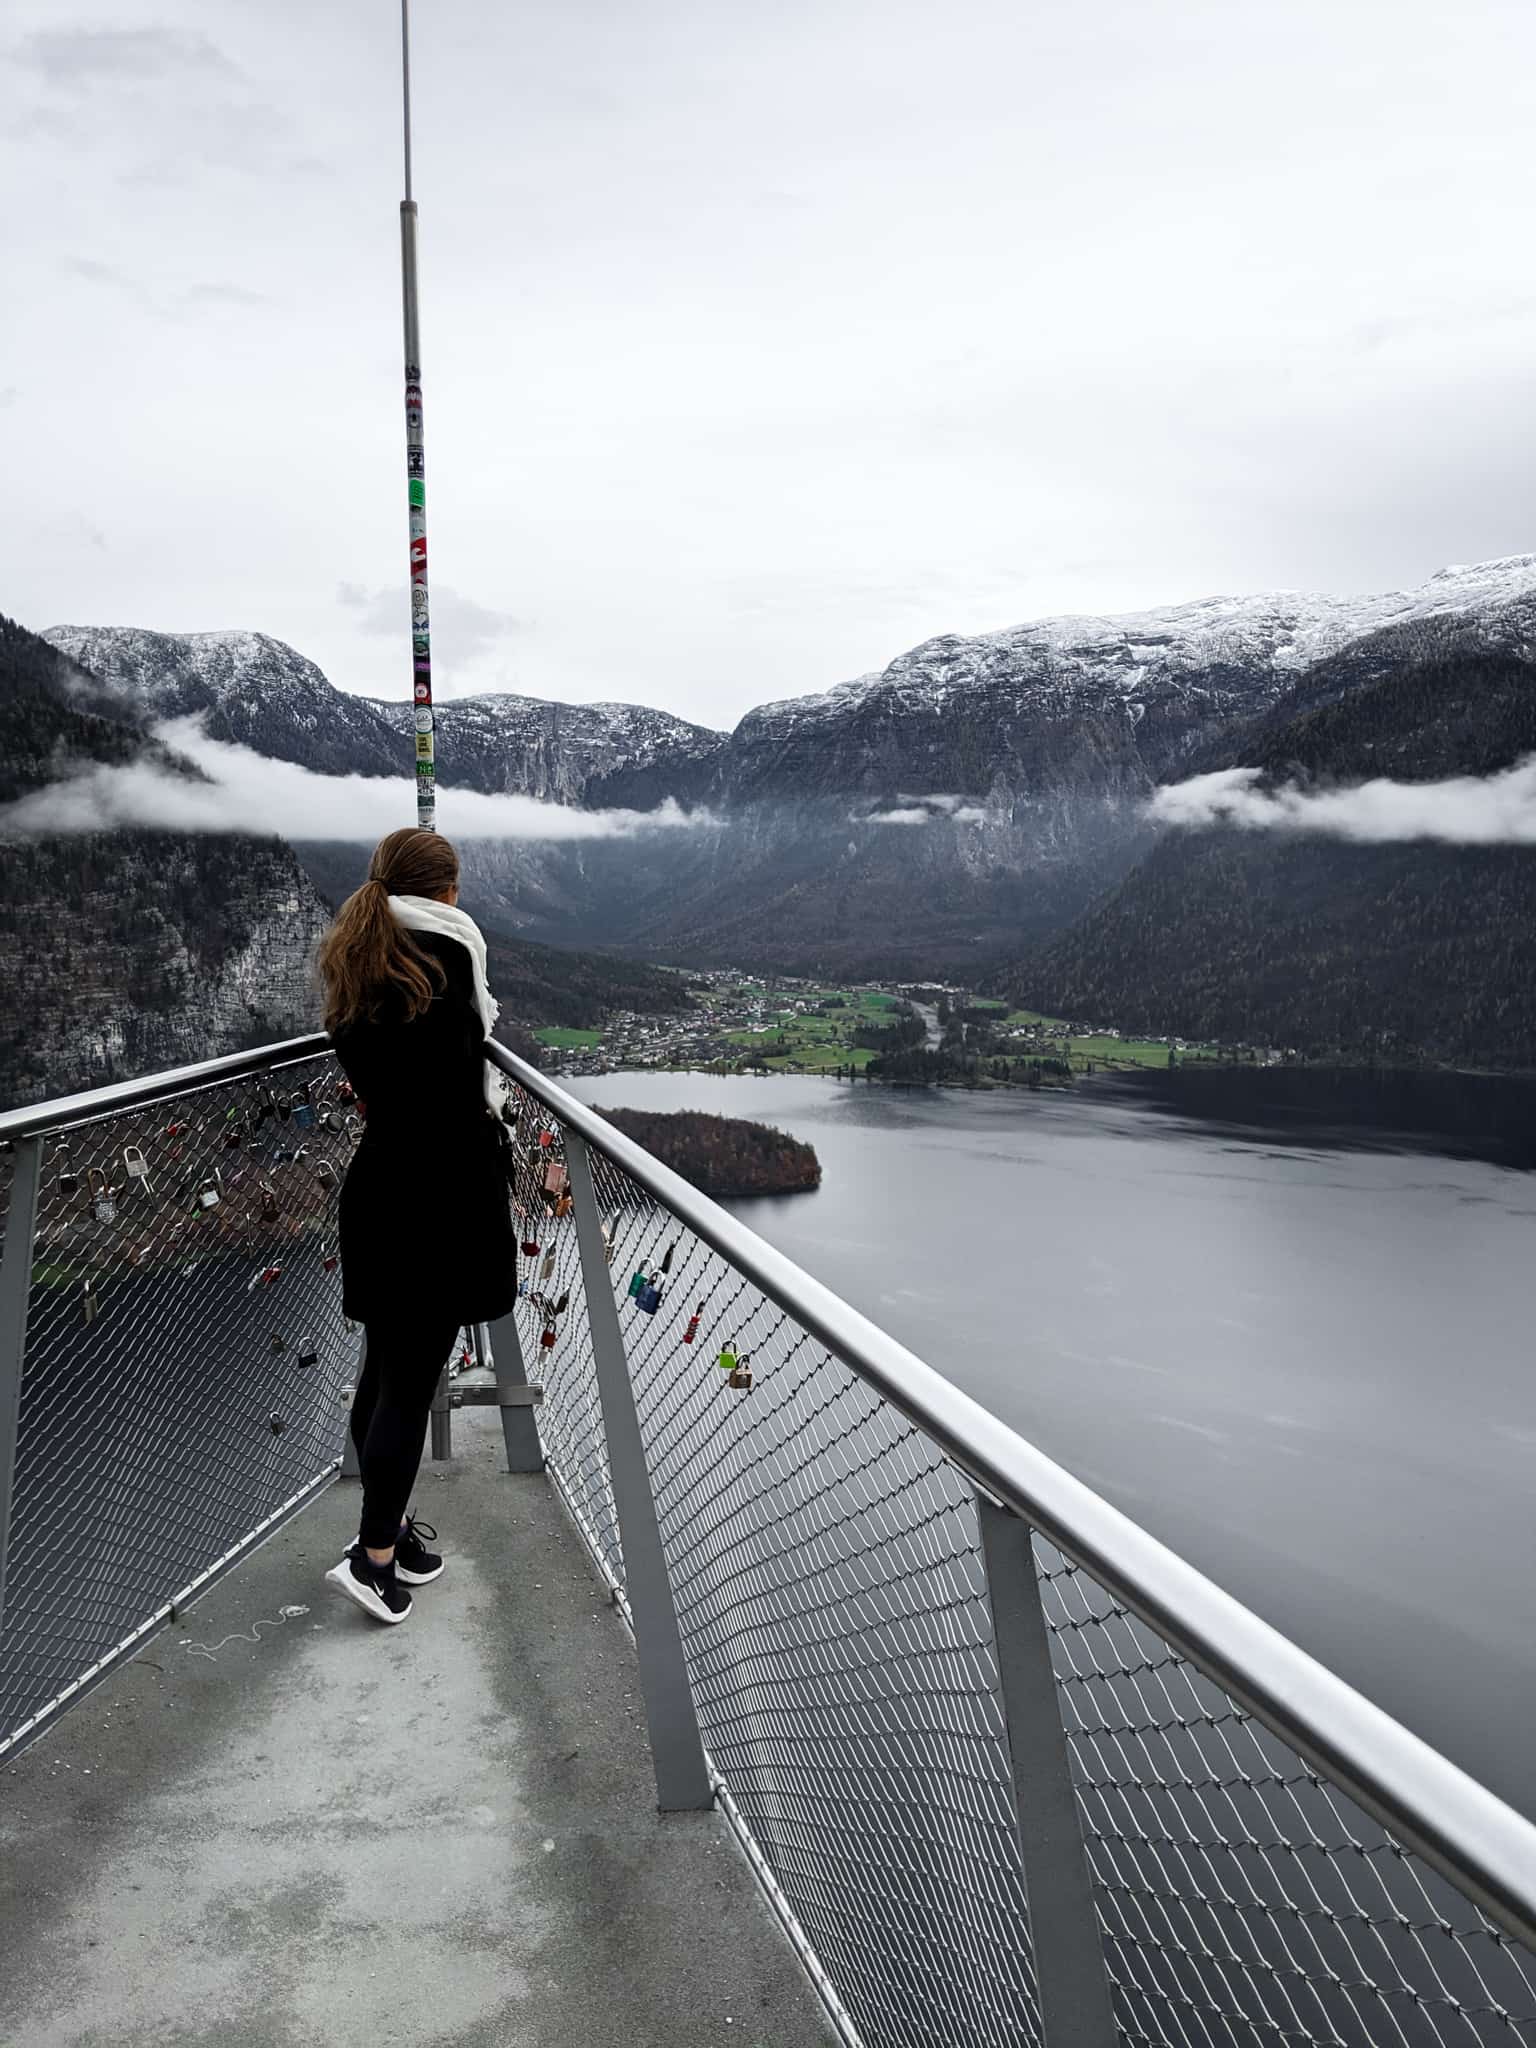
pixel 639 1281
pixel 727 1361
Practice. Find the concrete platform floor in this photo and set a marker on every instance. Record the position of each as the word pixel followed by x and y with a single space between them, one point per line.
pixel 302 1830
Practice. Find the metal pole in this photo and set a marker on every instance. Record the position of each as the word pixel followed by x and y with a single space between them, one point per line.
pixel 15 1295
pixel 502 1349
pixel 1076 2010
pixel 442 1411
pixel 351 1467
pixel 677 1749
pixel 416 474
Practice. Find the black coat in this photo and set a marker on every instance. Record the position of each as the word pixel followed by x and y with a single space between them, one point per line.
pixel 425 1217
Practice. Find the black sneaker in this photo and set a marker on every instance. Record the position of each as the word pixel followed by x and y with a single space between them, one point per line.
pixel 414 1563
pixel 372 1586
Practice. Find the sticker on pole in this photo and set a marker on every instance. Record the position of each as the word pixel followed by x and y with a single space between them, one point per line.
pixel 424 719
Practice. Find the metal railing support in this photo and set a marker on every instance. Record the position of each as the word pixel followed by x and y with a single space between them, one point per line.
pixel 15 1295
pixel 1076 2010
pixel 442 1413
pixel 677 1748
pixel 499 1346
pixel 350 1467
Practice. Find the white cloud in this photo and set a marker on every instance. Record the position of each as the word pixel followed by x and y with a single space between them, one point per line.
pixel 922 810
pixel 246 792
pixel 1465 810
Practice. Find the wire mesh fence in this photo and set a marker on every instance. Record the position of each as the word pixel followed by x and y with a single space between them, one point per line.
pixel 826 1566
pixel 185 1364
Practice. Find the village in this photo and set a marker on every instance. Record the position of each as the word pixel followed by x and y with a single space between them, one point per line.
pixel 743 1023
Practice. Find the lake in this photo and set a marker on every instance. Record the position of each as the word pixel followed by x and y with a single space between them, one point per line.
pixel 1300 1356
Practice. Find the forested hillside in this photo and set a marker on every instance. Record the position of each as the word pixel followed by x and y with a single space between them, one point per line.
pixel 722 1155
pixel 1404 951
pixel 131 950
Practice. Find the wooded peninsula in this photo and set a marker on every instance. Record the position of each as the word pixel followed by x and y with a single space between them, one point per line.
pixel 722 1155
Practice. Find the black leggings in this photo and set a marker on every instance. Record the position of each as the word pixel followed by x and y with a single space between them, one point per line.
pixel 389 1415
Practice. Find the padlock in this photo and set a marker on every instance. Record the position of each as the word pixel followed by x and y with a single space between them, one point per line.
pixel 303 1116
pixel 693 1324
pixel 325 1173
pixel 324 1120
pixel 264 1276
pixel 269 1208
pixel 547 1270
pixel 637 1282
pixel 547 1338
pixel 234 1137
pixel 329 1262
pixel 728 1361
pixel 741 1380
pixel 279 1341
pixel 208 1195
pixel 69 1183
pixel 102 1198
pixel 561 1305
pixel 308 1353
pixel 276 1424
pixel 546 1138
pixel 530 1249
pixel 554 1178
pixel 666 1262
pixel 284 1110
pixel 648 1300
pixel 138 1167
pixel 563 1208
pixel 88 1298
pixel 345 1092
pixel 352 1128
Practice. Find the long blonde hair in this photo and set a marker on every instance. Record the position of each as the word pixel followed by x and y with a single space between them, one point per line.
pixel 369 962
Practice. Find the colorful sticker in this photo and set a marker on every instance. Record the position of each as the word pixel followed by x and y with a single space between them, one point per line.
pixel 424 720
pixel 424 746
pixel 423 693
pixel 418 491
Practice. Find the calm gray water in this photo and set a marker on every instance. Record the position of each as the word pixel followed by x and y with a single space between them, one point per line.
pixel 1308 1369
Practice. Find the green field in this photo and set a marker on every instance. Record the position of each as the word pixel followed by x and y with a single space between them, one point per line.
pixel 563 1037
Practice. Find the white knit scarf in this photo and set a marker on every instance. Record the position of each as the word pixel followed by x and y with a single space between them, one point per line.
pixel 425 914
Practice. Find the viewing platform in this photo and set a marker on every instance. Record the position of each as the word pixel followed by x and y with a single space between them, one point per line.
pixel 277 1828
pixel 777 1691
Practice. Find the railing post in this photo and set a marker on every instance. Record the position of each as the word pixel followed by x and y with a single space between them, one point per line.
pixel 519 1426
pixel 442 1411
pixel 15 1295
pixel 677 1749
pixel 1076 2010
pixel 351 1467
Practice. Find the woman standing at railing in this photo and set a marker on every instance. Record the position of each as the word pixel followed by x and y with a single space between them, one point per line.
pixel 426 1232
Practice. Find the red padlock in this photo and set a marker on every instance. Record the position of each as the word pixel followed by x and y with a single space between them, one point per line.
pixel 547 1338
pixel 693 1324
pixel 530 1249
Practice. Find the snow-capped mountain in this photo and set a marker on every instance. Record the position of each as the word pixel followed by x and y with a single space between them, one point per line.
pixel 597 756
pixel 975 794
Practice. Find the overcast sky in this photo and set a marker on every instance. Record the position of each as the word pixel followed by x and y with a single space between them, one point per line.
pixel 760 341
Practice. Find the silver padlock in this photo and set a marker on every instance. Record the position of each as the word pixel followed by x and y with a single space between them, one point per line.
pixel 103 1198
pixel 208 1195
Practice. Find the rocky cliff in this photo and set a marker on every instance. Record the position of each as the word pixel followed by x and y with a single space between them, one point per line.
pixel 134 950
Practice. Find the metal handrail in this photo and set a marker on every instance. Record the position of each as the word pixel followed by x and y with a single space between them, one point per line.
pixel 1484 1847
pixel 39 1118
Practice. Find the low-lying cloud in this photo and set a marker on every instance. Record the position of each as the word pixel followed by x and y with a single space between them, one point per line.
pixel 246 792
pixel 1465 810
pixel 922 810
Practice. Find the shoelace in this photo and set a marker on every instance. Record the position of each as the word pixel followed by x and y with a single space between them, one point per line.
pixel 414 1531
